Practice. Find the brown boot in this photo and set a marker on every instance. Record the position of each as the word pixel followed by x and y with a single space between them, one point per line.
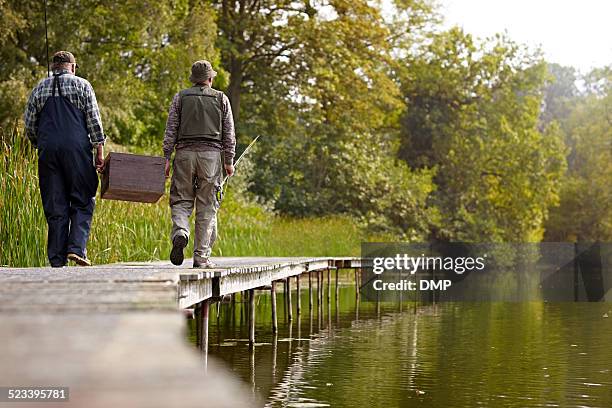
pixel 79 260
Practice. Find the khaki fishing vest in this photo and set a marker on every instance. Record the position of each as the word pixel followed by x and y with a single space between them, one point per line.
pixel 201 113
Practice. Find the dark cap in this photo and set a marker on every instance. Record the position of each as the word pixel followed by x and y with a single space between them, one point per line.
pixel 201 71
pixel 64 57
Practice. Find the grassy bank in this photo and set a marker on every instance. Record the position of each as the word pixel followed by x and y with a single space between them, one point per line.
pixel 124 231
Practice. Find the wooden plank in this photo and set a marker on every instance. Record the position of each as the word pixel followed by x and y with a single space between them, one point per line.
pixel 105 273
pixel 105 353
pixel 238 282
pixel 320 264
pixel 131 359
pixel 58 296
pixel 192 292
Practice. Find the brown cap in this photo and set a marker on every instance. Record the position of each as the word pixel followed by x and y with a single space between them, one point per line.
pixel 64 57
pixel 201 71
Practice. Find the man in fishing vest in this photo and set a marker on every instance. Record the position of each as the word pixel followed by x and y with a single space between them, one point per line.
pixel 200 128
pixel 62 120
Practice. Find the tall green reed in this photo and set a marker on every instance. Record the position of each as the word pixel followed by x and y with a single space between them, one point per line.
pixel 127 232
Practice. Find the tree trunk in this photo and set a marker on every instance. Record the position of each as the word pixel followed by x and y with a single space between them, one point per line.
pixel 233 91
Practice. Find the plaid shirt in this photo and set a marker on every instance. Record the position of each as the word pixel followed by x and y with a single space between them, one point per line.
pixel 79 92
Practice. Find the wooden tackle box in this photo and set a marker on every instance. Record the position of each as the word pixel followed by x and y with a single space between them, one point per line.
pixel 132 177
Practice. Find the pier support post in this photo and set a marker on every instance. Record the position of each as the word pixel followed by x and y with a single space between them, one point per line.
pixel 286 299
pixel 274 316
pixel 357 270
pixel 241 308
pixel 322 286
pixel 251 318
pixel 309 290
pixel 298 292
pixel 320 283
pixel 233 308
pixel 337 290
pixel 289 305
pixel 328 285
pixel 205 309
pixel 205 306
pixel 274 352
pixel 318 275
pixel 198 324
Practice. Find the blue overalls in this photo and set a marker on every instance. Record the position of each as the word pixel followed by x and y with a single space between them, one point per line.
pixel 67 176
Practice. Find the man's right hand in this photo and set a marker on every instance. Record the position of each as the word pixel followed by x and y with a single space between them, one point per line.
pixel 167 168
pixel 100 159
pixel 229 169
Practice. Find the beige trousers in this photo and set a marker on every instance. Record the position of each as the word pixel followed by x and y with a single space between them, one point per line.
pixel 195 178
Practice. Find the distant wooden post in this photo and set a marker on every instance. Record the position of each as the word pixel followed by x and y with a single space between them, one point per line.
pixel 309 290
pixel 274 351
pixel 286 299
pixel 205 309
pixel 233 308
pixel 321 283
pixel 298 292
pixel 328 285
pixel 318 288
pixel 299 328
pixel 274 318
pixel 357 282
pixel 311 319
pixel 337 290
pixel 329 317
pixel 289 305
pixel 322 280
pixel 241 308
pixel 251 317
pixel 198 324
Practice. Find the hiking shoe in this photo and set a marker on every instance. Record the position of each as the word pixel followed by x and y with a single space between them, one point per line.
pixel 79 260
pixel 205 264
pixel 178 244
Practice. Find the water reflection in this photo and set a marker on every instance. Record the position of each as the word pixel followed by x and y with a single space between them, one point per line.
pixel 447 354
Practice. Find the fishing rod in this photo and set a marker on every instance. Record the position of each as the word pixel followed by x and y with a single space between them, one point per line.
pixel 47 41
pixel 220 188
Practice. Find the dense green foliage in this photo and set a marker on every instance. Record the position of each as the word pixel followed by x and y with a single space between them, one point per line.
pixel 378 115
pixel 473 115
pixel 136 56
pixel 585 118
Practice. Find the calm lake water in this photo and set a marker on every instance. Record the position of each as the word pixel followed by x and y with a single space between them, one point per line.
pixel 355 354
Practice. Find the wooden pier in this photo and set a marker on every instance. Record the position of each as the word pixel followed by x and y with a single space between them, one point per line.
pixel 115 334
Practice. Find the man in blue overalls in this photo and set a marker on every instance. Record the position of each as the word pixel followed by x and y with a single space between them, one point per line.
pixel 62 120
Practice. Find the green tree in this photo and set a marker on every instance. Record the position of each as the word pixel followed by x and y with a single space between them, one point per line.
pixel 328 101
pixel 136 57
pixel 472 114
pixel 585 211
